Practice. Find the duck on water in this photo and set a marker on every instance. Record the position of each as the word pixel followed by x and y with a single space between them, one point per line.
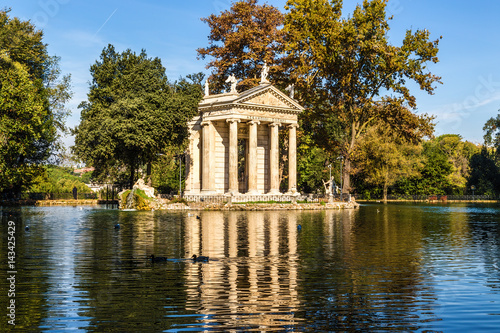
pixel 194 258
pixel 199 258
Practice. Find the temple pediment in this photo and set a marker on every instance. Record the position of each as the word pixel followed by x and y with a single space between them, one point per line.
pixel 268 95
pixel 264 96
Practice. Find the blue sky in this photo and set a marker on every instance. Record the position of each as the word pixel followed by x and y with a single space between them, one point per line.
pixel 77 31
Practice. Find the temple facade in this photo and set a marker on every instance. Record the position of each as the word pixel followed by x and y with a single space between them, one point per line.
pixel 234 142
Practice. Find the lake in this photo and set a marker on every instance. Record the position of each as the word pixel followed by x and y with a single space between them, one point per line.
pixel 394 267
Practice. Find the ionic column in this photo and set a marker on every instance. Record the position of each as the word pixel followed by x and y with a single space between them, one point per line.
pixel 274 158
pixel 233 155
pixel 252 157
pixel 292 158
pixel 206 166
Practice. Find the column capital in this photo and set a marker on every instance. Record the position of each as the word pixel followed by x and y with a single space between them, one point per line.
pixel 205 122
pixel 274 124
pixel 232 120
pixel 254 122
pixel 296 125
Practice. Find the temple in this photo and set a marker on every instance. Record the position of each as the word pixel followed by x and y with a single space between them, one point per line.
pixel 234 142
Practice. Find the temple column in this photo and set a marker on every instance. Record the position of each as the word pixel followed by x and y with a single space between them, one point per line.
pixel 274 158
pixel 233 155
pixel 252 157
pixel 292 158
pixel 207 169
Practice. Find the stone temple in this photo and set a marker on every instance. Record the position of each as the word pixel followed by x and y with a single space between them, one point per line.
pixel 234 143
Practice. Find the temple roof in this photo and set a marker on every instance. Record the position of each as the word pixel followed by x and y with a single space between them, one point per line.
pixel 263 97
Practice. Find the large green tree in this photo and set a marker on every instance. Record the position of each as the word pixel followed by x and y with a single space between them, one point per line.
pixel 132 114
pixel 492 133
pixel 459 154
pixel 485 169
pixel 32 99
pixel 350 76
pixel 434 177
pixel 383 158
pixel 484 174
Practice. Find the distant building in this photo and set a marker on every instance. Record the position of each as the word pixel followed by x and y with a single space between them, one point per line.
pixel 83 170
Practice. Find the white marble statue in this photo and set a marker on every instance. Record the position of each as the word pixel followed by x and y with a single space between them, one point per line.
pixel 291 90
pixel 233 81
pixel 264 73
pixel 207 88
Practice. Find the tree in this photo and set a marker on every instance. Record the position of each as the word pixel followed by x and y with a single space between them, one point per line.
pixel 58 179
pixel 32 99
pixel 350 76
pixel 311 164
pixel 485 169
pixel 434 175
pixel 133 113
pixel 383 158
pixel 22 127
pixel 459 154
pixel 241 40
pixel 485 174
pixel 492 134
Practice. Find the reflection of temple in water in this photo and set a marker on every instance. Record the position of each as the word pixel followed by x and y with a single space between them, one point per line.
pixel 259 286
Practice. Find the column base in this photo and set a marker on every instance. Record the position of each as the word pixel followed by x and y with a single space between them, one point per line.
pixel 274 192
pixel 232 192
pixel 253 192
pixel 208 192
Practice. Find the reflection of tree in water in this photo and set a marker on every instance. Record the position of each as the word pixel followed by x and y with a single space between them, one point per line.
pixel 123 290
pixel 362 271
pixel 485 233
pixel 34 270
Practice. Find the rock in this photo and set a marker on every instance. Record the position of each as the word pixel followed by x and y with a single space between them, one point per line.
pixel 148 190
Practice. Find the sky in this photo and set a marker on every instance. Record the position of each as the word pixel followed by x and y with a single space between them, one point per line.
pixel 469 51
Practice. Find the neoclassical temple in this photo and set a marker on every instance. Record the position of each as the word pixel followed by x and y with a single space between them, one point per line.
pixel 234 142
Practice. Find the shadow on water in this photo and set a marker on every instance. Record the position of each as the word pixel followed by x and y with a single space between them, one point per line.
pixel 382 267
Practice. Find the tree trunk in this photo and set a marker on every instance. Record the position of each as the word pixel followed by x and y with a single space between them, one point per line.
pixel 385 192
pixel 346 175
pixel 346 186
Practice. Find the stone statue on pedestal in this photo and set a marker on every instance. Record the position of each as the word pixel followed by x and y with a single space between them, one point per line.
pixel 264 73
pixel 207 88
pixel 291 90
pixel 233 81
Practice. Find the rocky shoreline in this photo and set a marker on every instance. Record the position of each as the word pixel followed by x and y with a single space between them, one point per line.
pixel 257 206
pixel 163 204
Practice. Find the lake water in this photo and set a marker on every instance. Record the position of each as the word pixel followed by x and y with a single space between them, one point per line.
pixel 395 267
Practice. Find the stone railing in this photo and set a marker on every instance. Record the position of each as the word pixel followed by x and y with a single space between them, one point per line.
pixel 221 198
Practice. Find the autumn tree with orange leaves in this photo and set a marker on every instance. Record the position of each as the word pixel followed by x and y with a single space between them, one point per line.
pixel 346 72
pixel 241 40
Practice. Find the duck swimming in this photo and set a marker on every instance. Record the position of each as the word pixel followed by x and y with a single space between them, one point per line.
pixel 158 259
pixel 199 258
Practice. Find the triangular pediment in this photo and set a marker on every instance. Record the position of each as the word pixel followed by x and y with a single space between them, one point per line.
pixel 269 96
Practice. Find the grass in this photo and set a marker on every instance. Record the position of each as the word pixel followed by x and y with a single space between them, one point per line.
pixel 142 194
pixel 140 198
